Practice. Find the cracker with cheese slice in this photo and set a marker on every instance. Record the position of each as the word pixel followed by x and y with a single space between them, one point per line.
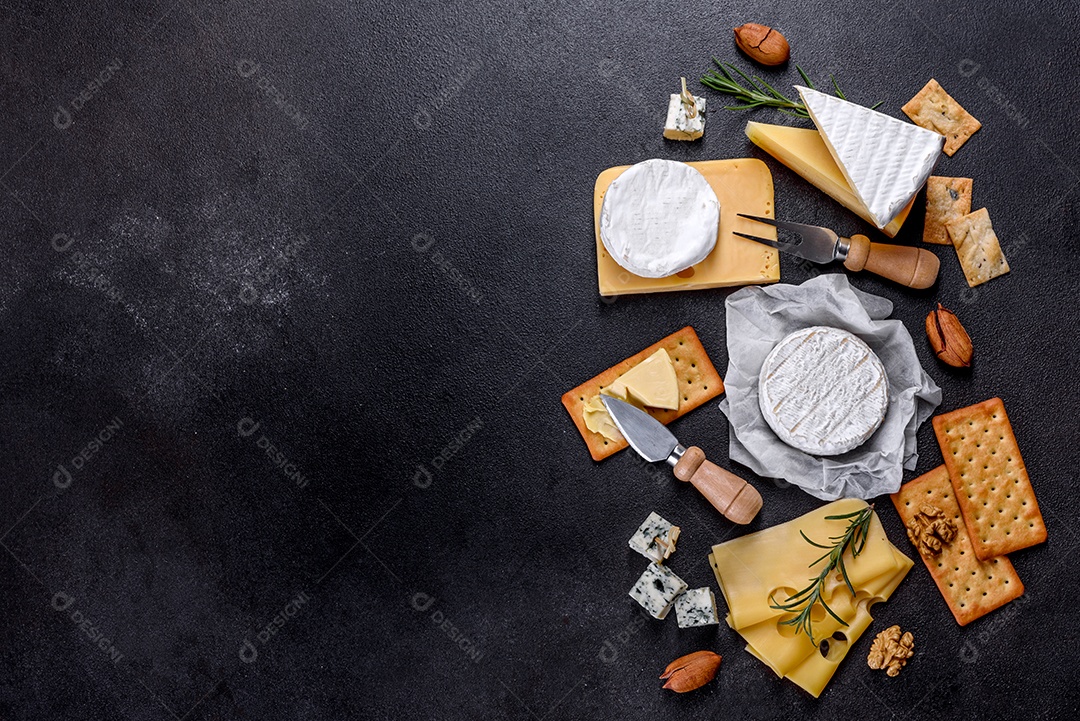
pixel 946 200
pixel 990 479
pixel 971 587
pixel 934 109
pixel 698 380
pixel 978 247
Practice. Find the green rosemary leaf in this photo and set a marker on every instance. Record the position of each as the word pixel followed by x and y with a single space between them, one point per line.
pixel 812 543
pixel 753 92
pixel 852 540
pixel 839 92
pixel 830 611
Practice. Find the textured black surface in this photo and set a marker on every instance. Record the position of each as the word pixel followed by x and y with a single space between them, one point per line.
pixel 367 229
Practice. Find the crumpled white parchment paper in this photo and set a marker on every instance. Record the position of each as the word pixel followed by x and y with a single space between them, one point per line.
pixel 757 318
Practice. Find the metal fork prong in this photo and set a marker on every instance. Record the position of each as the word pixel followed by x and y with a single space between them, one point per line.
pixel 770 221
pixel 800 228
pixel 764 241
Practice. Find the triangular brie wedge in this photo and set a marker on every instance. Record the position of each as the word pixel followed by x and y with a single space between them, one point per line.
pixel 885 160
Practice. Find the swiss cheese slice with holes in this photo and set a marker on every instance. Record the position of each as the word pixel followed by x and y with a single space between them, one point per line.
pixel 763 569
pixel 777 562
pixel 823 391
pixel 659 217
pixel 811 665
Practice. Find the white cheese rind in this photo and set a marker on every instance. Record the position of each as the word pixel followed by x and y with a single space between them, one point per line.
pixel 657 589
pixel 696 607
pixel 679 125
pixel 823 391
pixel 885 160
pixel 644 539
pixel 659 217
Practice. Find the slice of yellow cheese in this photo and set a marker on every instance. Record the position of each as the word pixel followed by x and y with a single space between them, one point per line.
pixel 776 562
pixel 742 185
pixel 783 650
pixel 652 382
pixel 598 420
pixel 804 151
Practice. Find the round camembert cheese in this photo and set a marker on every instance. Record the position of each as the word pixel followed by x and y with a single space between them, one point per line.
pixel 659 217
pixel 823 391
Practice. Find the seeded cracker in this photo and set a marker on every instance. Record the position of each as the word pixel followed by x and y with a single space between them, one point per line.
pixel 990 480
pixel 934 109
pixel 698 381
pixel 971 588
pixel 977 247
pixel 946 200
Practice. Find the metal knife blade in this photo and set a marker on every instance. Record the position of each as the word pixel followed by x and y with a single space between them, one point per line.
pixel 646 435
pixel 812 242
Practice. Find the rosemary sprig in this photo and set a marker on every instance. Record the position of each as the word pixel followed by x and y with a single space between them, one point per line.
pixel 802 602
pixel 756 93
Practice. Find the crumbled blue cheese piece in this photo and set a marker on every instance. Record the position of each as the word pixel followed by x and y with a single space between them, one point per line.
pixel 657 589
pixel 696 607
pixel 679 125
pixel 655 538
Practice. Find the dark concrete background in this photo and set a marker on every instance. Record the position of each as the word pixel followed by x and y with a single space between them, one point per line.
pixel 291 293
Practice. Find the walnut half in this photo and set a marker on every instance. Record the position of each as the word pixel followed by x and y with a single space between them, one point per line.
pixel 930 530
pixel 891 650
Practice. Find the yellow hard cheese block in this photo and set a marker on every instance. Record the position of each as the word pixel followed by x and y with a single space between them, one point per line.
pixel 776 562
pixel 804 151
pixel 652 382
pixel 743 185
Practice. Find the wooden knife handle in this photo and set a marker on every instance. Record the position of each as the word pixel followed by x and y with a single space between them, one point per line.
pixel 913 267
pixel 731 495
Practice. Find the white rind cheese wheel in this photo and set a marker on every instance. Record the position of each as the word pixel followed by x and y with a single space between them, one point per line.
pixel 659 217
pixel 823 391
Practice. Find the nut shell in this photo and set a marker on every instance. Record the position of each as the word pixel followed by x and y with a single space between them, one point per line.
pixel 691 671
pixel 763 44
pixel 951 343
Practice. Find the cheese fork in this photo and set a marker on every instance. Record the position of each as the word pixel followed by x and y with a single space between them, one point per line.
pixel 913 267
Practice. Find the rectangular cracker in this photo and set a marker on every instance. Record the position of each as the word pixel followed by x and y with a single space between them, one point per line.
pixel 972 588
pixel 977 247
pixel 946 200
pixel 698 380
pixel 934 109
pixel 990 480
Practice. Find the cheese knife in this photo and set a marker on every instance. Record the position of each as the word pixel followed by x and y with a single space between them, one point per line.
pixel 913 267
pixel 729 494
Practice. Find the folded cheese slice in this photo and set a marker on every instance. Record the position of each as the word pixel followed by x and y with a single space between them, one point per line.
pixel 776 562
pixel 782 650
pixel 885 160
pixel 804 151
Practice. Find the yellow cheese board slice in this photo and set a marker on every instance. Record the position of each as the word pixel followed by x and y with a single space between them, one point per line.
pixel 742 185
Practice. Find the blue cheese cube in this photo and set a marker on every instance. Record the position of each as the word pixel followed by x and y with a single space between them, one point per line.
pixel 696 607
pixel 655 538
pixel 679 125
pixel 657 589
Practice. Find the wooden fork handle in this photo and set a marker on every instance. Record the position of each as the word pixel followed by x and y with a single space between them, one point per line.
pixel 731 495
pixel 913 267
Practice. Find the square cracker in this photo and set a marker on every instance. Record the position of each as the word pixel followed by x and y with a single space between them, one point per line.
pixel 698 381
pixel 978 247
pixel 972 588
pixel 934 109
pixel 946 200
pixel 990 480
